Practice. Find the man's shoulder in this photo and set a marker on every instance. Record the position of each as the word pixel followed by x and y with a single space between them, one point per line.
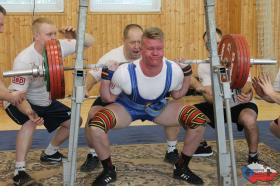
pixel 174 65
pixel 26 54
pixel 114 54
pixel 115 51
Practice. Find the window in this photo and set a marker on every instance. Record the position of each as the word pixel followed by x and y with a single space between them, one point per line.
pixel 125 5
pixel 33 5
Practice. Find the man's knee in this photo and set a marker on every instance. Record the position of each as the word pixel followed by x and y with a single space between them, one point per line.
pixel 93 110
pixel 104 119
pixel 248 118
pixel 191 117
pixel 275 128
pixel 29 125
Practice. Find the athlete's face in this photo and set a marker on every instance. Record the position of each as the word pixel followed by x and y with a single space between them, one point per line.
pixel 45 33
pixel 152 51
pixel 132 44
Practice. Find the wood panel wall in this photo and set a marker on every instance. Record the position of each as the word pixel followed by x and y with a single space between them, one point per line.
pixel 181 20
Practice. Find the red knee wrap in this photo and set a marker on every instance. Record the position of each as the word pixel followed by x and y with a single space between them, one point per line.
pixel 104 119
pixel 192 117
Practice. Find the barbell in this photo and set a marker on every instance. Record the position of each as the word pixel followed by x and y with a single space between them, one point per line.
pixel 233 51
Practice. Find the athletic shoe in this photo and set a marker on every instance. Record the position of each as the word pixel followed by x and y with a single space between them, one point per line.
pixel 106 176
pixel 171 157
pixel 90 164
pixel 22 178
pixel 187 175
pixel 203 150
pixel 254 159
pixel 56 158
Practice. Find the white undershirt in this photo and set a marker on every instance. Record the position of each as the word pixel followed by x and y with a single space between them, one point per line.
pixel 149 87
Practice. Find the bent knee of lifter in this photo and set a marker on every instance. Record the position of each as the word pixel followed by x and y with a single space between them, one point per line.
pixel 274 126
pixel 30 125
pixel 248 121
pixel 95 131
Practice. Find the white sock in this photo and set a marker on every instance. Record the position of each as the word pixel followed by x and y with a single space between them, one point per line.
pixel 171 145
pixel 20 166
pixel 92 152
pixel 253 154
pixel 50 150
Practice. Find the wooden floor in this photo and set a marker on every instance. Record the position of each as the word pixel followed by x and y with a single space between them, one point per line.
pixel 267 111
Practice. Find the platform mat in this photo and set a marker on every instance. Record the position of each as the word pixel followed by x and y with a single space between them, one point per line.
pixel 139 164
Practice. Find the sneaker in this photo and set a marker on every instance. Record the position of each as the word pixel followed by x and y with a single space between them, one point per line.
pixel 171 157
pixel 254 159
pixel 187 175
pixel 257 172
pixel 90 164
pixel 106 176
pixel 56 158
pixel 22 178
pixel 203 150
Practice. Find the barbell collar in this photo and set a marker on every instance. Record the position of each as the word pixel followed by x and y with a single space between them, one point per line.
pixel 35 72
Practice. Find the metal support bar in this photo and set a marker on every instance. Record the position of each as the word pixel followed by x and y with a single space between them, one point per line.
pixel 252 61
pixel 69 165
pixel 223 158
pixel 40 70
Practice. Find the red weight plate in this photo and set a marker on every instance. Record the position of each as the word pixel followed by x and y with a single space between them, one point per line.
pixel 58 70
pixel 246 60
pixel 240 63
pixel 48 51
pixel 229 56
pixel 53 75
pixel 55 79
pixel 54 66
pixel 61 67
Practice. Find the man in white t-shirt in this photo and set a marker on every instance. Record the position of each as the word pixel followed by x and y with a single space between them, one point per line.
pixel 38 109
pixel 244 111
pixel 15 97
pixel 271 94
pixel 138 91
pixel 128 52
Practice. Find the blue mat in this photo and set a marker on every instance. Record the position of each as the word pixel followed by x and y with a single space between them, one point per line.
pixel 135 135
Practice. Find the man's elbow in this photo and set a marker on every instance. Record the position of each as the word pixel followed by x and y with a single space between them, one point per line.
pixel 108 99
pixel 89 40
pixel 177 95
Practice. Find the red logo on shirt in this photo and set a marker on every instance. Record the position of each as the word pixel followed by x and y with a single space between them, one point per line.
pixel 18 80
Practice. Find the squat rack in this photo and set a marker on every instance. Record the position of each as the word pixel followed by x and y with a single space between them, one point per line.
pixel 221 91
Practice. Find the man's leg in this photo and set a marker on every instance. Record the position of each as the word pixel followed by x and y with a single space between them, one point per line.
pixel 112 116
pixel 194 122
pixel 275 127
pixel 23 144
pixel 204 150
pixel 171 133
pixel 92 160
pixel 248 119
pixel 57 117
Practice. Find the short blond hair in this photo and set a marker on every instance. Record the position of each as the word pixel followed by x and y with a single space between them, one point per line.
pixel 153 33
pixel 38 22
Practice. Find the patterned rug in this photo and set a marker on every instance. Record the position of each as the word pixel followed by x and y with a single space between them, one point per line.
pixel 140 164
